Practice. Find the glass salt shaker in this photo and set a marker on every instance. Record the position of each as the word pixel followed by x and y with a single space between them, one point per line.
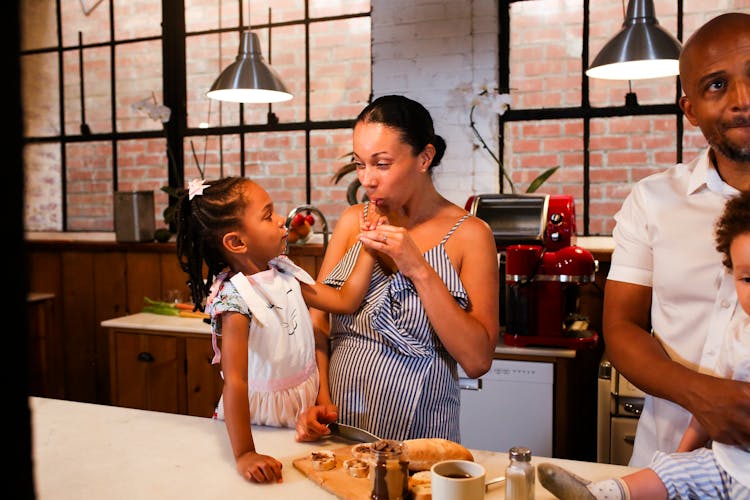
pixel 389 470
pixel 520 475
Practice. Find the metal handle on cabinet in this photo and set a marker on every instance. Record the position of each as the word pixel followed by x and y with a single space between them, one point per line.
pixel 146 356
pixel 471 384
pixel 629 438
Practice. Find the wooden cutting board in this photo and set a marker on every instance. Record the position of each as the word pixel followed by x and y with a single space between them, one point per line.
pixel 336 481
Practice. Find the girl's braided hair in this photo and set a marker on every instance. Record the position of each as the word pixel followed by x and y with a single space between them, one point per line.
pixel 201 225
pixel 734 221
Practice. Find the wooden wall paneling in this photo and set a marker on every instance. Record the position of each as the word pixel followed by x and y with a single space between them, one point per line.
pixel 110 301
pixel 172 277
pixel 79 322
pixel 306 262
pixel 45 276
pixel 143 279
pixel 204 383
pixel 40 317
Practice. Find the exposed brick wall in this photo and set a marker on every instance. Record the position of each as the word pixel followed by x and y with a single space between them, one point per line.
pixel 431 50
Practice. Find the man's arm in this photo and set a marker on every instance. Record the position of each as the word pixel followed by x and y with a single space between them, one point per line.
pixel 722 406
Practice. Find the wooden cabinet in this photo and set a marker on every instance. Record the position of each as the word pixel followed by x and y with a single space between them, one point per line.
pixel 159 370
pixel 44 342
pixel 93 281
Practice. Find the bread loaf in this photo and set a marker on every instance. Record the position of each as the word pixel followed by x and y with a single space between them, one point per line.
pixel 425 452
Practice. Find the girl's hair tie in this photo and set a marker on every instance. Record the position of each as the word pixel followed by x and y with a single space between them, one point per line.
pixel 196 187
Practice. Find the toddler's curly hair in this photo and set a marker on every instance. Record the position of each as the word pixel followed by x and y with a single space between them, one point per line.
pixel 734 221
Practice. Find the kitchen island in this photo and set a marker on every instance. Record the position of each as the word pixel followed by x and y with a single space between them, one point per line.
pixel 163 363
pixel 83 450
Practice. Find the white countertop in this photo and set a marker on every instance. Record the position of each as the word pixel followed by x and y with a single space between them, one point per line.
pixel 83 450
pixel 159 323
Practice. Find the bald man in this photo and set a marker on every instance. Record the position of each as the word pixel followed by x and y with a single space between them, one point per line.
pixel 668 300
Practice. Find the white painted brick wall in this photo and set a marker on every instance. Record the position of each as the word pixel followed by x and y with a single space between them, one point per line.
pixel 429 50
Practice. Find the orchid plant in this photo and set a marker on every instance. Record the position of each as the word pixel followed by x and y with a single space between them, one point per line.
pixel 499 103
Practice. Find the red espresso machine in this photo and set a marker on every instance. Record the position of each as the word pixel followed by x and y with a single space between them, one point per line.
pixel 541 269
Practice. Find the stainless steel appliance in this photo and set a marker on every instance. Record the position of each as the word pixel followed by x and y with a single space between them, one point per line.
pixel 619 404
pixel 541 269
pixel 134 216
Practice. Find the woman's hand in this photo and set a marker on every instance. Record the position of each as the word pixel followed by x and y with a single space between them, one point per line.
pixel 259 468
pixel 312 424
pixel 395 242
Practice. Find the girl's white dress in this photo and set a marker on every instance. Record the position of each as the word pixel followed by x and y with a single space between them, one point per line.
pixel 282 374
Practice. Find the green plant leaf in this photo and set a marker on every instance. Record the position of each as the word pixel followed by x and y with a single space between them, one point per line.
pixel 345 169
pixel 169 214
pixel 171 191
pixel 537 183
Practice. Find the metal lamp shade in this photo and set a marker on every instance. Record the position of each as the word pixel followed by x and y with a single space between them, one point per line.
pixel 249 79
pixel 642 49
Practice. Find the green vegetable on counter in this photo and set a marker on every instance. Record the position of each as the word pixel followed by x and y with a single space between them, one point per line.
pixel 159 307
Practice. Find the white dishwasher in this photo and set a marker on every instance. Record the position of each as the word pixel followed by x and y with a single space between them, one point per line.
pixel 511 405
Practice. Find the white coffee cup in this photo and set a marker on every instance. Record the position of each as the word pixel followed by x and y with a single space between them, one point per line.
pixel 457 480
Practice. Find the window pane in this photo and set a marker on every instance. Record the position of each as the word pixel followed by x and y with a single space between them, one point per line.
pixel 89 186
pixel 339 68
pixel 329 151
pixel 138 79
pixel 545 54
pixel 38 24
pixel 42 184
pixel 533 147
pixel 623 151
pixel 90 17
pixel 96 78
pixel 203 61
pixel 281 11
pixel 142 166
pixel 288 60
pixel 204 15
pixel 276 161
pixel 39 94
pixel 137 19
pixel 324 8
pixel 217 155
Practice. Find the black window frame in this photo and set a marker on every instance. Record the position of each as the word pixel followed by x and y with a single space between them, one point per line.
pixel 174 88
pixel 585 111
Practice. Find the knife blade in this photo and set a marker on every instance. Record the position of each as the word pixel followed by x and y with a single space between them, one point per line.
pixel 352 433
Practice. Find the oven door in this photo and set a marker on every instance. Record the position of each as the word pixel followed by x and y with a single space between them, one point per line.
pixel 619 404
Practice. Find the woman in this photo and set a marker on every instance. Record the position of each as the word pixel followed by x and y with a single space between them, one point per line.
pixel 433 296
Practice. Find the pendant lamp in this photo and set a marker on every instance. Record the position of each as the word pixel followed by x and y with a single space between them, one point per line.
pixel 642 49
pixel 249 79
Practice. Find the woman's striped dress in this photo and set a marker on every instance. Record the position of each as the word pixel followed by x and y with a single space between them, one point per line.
pixel 389 373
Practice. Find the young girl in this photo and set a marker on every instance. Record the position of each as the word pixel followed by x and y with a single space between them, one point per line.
pixel 694 471
pixel 255 298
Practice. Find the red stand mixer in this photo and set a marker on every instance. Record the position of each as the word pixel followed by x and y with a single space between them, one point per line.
pixel 541 269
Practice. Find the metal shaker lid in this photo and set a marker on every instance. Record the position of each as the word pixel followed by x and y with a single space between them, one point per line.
pixel 520 453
